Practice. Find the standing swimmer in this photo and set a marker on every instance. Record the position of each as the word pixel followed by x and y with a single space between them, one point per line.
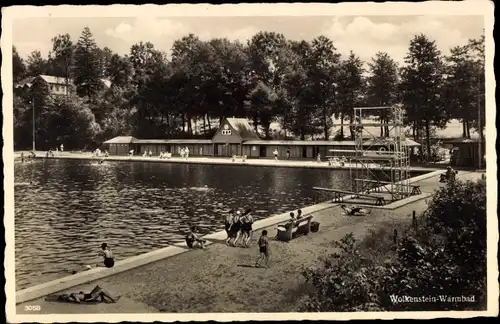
pixel 228 222
pixel 263 249
pixel 109 261
pixel 246 227
pixel 236 228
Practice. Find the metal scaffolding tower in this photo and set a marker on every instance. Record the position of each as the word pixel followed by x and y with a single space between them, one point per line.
pixel 380 163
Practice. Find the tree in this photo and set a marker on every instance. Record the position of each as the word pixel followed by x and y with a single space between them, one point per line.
pixel 86 67
pixel 322 72
pixel 18 67
pixel 270 60
pixel 69 122
pixel 422 81
pixel 382 86
pixel 150 74
pixel 119 70
pixel 262 101
pixel 63 50
pixel 350 90
pixel 36 64
pixel 460 90
pixel 104 58
pixel 476 48
pixel 22 122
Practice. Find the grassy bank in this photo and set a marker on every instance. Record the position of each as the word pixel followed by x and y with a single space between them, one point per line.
pixel 437 259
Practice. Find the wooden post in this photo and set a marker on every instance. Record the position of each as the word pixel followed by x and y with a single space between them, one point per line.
pixel 414 219
pixel 395 237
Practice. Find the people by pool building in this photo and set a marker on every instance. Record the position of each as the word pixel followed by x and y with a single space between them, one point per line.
pixel 237 137
pixel 465 152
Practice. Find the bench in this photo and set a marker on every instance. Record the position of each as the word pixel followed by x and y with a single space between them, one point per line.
pixel 415 190
pixel 294 228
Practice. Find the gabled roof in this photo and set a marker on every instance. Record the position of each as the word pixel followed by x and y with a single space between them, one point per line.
pixel 54 80
pixel 24 82
pixel 244 129
pixel 121 140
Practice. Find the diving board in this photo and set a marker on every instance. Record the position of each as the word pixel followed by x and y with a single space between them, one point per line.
pixel 339 195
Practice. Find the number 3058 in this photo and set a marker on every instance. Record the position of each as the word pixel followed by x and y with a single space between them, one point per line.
pixel 32 308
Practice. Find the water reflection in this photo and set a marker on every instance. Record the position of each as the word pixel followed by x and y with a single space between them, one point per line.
pixel 137 207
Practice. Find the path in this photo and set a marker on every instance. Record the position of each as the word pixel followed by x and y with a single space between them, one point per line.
pixel 221 279
pixel 306 163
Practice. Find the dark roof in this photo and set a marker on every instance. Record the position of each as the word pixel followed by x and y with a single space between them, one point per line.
pixel 322 142
pixel 173 141
pixel 121 140
pixel 244 129
pixel 292 142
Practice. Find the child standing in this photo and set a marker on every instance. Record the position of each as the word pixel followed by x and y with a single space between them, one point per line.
pixel 263 249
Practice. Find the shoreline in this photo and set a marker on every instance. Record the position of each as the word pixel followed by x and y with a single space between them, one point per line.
pixel 130 263
pixel 257 162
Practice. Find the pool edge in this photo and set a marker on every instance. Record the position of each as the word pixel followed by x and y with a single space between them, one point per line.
pixel 61 284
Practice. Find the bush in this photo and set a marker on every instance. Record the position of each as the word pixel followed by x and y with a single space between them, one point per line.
pixel 441 255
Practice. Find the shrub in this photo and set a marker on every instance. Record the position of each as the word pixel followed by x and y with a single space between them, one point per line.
pixel 442 254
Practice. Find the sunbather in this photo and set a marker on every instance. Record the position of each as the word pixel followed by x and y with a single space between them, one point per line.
pixel 354 211
pixel 192 239
pixel 450 175
pixel 96 295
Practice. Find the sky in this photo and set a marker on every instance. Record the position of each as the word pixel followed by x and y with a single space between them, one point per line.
pixel 365 35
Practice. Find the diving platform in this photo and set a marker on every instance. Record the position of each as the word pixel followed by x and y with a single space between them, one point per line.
pixel 342 195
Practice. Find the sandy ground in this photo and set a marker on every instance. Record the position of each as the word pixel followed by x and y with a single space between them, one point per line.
pixel 223 279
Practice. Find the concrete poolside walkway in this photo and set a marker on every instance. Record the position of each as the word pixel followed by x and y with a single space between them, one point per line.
pixel 305 163
pixel 222 279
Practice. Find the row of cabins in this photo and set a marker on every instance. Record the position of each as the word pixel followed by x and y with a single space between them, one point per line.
pixel 236 136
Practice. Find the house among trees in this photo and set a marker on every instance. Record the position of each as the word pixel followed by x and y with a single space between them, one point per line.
pixel 57 86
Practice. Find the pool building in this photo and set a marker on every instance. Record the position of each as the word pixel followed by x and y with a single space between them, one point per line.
pixel 236 137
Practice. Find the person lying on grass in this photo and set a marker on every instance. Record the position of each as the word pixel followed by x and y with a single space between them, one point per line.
pixel 355 211
pixel 193 241
pixel 96 295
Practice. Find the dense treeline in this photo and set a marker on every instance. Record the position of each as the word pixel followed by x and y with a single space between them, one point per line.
pixel 298 84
